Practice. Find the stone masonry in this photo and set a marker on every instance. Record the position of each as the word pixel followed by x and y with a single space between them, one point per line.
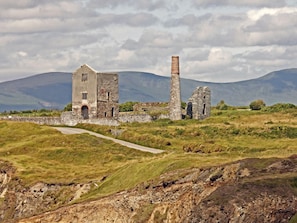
pixel 199 104
pixel 94 95
pixel 175 112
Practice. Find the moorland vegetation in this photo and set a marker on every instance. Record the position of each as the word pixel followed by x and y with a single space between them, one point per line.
pixel 42 154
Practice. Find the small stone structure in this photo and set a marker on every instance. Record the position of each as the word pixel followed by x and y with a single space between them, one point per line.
pixel 175 112
pixel 199 104
pixel 94 95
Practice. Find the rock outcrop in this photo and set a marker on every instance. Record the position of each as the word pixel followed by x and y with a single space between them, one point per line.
pixel 250 190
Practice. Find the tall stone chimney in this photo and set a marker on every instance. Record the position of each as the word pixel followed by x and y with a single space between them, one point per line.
pixel 175 96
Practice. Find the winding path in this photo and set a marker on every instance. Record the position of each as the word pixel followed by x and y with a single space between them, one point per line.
pixel 68 131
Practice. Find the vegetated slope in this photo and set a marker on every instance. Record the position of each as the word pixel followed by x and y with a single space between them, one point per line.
pixel 199 179
pixel 53 90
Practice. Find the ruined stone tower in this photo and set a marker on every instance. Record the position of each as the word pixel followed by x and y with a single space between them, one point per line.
pixel 175 95
pixel 199 104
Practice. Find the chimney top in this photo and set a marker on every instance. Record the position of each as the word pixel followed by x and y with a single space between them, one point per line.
pixel 175 65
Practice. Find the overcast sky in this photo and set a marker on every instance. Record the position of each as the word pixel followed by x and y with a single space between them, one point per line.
pixel 216 40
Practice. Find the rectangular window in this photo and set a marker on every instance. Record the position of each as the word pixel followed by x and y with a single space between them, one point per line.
pixel 107 96
pixel 85 96
pixel 84 77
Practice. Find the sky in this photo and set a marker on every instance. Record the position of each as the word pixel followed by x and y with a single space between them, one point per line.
pixel 216 40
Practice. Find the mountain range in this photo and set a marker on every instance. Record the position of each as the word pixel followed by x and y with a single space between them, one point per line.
pixel 53 90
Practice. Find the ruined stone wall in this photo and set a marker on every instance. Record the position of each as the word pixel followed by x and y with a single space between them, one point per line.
pixel 151 106
pixel 36 120
pixel 108 96
pixel 129 118
pixel 199 104
pixel 141 118
pixel 67 118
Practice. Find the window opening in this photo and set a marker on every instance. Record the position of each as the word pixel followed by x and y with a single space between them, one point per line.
pixel 112 112
pixel 204 109
pixel 84 77
pixel 84 96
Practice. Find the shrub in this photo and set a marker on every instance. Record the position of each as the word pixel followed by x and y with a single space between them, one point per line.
pixel 68 107
pixel 127 106
pixel 280 107
pixel 222 105
pixel 257 104
pixel 183 105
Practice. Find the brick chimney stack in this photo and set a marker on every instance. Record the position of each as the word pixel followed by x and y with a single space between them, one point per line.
pixel 175 95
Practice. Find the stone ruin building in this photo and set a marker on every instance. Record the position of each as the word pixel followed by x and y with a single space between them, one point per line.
pixel 94 95
pixel 199 104
pixel 95 99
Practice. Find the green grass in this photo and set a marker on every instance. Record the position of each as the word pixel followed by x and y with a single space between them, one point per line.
pixel 44 154
pixel 41 153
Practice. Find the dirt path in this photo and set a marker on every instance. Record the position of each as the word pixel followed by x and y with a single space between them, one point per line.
pixel 66 130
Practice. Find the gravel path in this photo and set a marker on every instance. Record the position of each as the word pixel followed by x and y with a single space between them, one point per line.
pixel 66 130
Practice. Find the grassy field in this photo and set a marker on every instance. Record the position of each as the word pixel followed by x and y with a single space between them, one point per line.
pixel 41 153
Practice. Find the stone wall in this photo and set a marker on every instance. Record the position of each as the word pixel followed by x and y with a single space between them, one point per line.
pixel 199 104
pixel 67 118
pixel 37 120
pixel 141 118
pixel 150 106
pixel 108 95
pixel 129 118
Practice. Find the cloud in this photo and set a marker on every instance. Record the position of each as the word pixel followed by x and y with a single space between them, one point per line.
pixel 61 9
pixel 140 4
pixel 219 40
pixel 241 3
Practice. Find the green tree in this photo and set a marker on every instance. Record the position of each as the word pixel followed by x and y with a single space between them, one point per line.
pixel 68 107
pixel 257 104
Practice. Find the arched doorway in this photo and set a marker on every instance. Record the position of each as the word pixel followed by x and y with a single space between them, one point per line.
pixel 190 110
pixel 85 112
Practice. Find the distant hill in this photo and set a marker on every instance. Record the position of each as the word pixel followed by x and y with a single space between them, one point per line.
pixel 53 90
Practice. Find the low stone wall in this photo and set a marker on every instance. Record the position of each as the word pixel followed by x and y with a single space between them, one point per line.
pixel 128 118
pixel 142 118
pixel 150 106
pixel 68 119
pixel 37 120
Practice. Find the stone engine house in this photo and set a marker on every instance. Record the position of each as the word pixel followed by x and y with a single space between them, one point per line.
pixel 199 104
pixel 95 95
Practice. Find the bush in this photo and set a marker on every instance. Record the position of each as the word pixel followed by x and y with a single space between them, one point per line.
pixel 257 104
pixel 68 107
pixel 183 105
pixel 222 105
pixel 127 106
pixel 280 107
